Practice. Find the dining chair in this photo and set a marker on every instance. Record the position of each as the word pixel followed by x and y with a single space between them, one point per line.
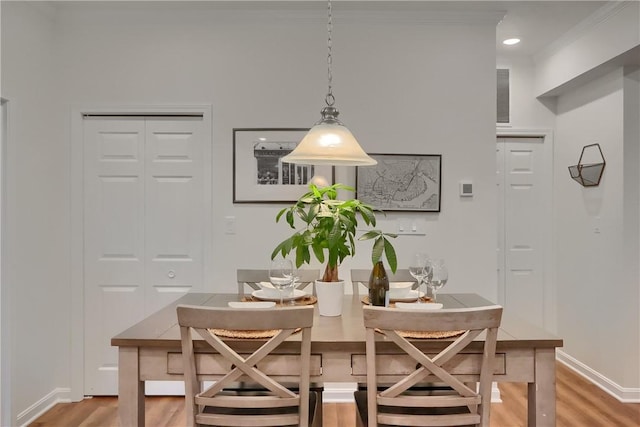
pixel 361 276
pixel 268 402
pixel 251 278
pixel 405 403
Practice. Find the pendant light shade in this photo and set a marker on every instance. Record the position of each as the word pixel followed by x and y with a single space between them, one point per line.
pixel 329 142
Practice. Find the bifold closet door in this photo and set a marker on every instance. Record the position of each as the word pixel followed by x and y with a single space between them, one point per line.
pixel 143 228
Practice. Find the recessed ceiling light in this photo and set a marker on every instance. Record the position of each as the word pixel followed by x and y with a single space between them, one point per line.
pixel 262 139
pixel 510 42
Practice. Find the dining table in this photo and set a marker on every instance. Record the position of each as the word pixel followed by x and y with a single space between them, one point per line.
pixel 151 350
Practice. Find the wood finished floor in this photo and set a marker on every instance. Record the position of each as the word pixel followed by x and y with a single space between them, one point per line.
pixel 579 404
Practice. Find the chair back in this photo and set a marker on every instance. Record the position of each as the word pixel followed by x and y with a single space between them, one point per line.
pixel 251 278
pixel 215 407
pixel 459 405
pixel 361 276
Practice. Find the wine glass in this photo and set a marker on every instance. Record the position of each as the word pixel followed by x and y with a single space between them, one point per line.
pixel 440 276
pixel 280 275
pixel 295 277
pixel 419 269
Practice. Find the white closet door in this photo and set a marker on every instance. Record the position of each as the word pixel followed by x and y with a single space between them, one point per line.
pixel 143 228
pixel 522 232
pixel 174 204
pixel 501 223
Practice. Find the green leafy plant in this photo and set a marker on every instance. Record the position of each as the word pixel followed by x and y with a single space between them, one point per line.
pixel 328 230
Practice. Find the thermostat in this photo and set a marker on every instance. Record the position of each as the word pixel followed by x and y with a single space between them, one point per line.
pixel 466 189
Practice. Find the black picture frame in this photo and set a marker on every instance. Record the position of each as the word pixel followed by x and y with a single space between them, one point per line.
pixel 258 174
pixel 401 182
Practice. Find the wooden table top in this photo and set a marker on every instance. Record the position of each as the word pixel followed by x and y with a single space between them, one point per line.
pixel 340 333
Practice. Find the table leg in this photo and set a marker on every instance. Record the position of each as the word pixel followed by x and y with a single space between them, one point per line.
pixel 130 389
pixel 542 392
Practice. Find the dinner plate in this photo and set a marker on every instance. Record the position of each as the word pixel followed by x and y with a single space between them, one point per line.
pixel 399 289
pixel 419 306
pixel 401 284
pixel 252 304
pixel 260 294
pixel 411 296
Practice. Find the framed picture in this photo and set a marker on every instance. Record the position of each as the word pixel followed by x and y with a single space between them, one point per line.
pixel 260 175
pixel 401 182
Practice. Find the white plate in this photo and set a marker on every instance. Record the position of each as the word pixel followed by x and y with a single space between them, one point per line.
pixel 399 290
pixel 411 296
pixel 252 304
pixel 401 284
pixel 260 294
pixel 268 290
pixel 419 306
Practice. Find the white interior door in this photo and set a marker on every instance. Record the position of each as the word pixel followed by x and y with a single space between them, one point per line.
pixel 174 205
pixel 143 228
pixel 522 208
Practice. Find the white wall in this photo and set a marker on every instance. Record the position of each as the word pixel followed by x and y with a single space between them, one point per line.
pixel 269 73
pixel 37 228
pixel 527 111
pixel 631 206
pixel 598 297
pixel 399 88
pixel 612 31
pixel 598 102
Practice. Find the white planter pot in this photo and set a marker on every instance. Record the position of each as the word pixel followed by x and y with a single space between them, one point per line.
pixel 330 297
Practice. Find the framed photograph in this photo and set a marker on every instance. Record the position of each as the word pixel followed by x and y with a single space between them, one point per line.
pixel 401 182
pixel 260 175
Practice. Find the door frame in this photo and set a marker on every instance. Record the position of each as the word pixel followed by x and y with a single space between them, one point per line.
pixel 549 289
pixel 77 214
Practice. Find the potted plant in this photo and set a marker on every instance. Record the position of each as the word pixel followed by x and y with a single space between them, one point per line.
pixel 328 231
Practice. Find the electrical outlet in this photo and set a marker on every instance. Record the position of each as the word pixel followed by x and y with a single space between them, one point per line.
pixel 410 226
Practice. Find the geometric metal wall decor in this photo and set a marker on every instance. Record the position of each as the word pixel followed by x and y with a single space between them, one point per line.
pixel 590 167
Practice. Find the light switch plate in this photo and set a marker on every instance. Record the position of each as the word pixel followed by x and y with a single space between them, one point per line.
pixel 229 225
pixel 410 226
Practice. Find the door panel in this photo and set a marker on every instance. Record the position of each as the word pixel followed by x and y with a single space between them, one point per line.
pixel 500 201
pixel 143 228
pixel 174 195
pixel 114 242
pixel 522 228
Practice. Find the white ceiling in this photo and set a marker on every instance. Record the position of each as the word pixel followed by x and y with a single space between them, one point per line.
pixel 539 23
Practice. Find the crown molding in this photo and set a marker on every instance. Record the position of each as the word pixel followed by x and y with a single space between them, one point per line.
pixel 600 16
pixel 305 11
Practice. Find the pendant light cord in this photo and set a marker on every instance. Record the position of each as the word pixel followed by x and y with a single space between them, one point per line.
pixel 329 99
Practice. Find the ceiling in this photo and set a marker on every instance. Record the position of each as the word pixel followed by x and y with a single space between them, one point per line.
pixel 538 23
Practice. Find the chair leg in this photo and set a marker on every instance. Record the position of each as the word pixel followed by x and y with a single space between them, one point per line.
pixel 360 398
pixel 317 418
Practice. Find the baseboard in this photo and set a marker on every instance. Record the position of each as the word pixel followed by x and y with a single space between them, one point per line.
pixel 495 393
pixel 623 394
pixel 339 392
pixel 57 395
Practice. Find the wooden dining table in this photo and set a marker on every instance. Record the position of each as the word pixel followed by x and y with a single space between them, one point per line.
pixel 150 350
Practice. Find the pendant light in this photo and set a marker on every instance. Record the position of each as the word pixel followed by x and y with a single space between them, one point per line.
pixel 329 142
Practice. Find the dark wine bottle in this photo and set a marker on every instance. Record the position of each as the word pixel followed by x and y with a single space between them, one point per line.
pixel 379 286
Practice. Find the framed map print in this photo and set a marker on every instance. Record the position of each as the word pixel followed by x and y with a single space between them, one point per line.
pixel 260 175
pixel 401 182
